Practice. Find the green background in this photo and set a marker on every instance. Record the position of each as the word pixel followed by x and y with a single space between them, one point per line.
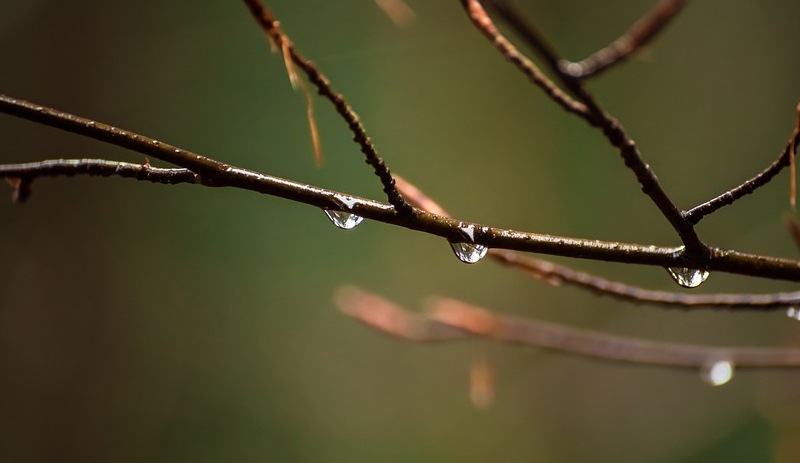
pixel 142 322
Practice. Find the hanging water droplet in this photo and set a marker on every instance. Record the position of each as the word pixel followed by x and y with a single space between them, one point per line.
pixel 469 253
pixel 793 313
pixel 717 373
pixel 343 220
pixel 688 277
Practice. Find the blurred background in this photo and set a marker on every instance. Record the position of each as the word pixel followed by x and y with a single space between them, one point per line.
pixel 143 322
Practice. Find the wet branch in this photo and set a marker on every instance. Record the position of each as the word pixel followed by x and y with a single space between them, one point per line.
pixel 556 274
pixel 22 175
pixel 281 41
pixel 450 320
pixel 215 173
pixel 697 251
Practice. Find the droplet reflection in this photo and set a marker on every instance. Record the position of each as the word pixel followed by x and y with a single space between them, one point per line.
pixel 344 220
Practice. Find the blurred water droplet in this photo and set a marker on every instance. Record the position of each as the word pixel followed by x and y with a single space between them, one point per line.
pixel 717 373
pixel 688 277
pixel 469 253
pixel 344 220
pixel 793 313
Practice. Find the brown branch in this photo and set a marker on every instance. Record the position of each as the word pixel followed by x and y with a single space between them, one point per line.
pixel 696 251
pixel 640 34
pixel 484 24
pixel 213 172
pixel 26 173
pixel 560 274
pixel 697 213
pixel 449 320
pixel 271 27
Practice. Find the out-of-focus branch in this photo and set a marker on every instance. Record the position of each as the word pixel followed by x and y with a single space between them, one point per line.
pixel 639 35
pixel 449 319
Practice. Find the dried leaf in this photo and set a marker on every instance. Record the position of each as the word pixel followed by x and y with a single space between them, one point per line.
pixel 794 229
pixel 298 84
pixel 286 51
pixel 398 11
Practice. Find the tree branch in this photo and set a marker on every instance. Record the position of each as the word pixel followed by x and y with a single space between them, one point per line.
pixel 215 173
pixel 697 213
pixel 449 320
pixel 559 274
pixel 697 251
pixel 271 27
pixel 94 167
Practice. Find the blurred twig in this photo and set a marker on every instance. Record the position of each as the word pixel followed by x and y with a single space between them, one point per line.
pixel 449 319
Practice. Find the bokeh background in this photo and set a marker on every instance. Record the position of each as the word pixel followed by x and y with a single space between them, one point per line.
pixel 143 322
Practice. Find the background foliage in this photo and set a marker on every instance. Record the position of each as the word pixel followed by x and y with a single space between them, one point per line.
pixel 147 322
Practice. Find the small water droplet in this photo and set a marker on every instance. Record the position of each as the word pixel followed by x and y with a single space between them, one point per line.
pixel 793 313
pixel 717 373
pixel 348 202
pixel 688 277
pixel 469 253
pixel 468 230
pixel 343 220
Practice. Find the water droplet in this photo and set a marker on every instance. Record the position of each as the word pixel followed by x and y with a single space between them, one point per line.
pixel 343 220
pixel 688 277
pixel 348 202
pixel 793 313
pixel 469 253
pixel 717 373
pixel 468 230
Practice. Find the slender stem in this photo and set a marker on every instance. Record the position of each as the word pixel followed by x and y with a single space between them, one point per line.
pixel 640 34
pixel 98 167
pixel 697 213
pixel 271 27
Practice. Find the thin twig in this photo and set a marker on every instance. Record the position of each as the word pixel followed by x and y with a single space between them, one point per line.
pixel 98 167
pixel 697 213
pixel 449 320
pixel 484 24
pixel 561 274
pixel 696 250
pixel 271 27
pixel 640 34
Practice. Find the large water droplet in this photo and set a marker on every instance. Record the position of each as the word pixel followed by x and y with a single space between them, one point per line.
pixel 688 277
pixel 717 373
pixel 469 253
pixel 793 313
pixel 344 220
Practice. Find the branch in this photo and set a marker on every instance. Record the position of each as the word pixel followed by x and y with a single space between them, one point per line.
pixel 215 173
pixel 697 251
pixel 271 27
pixel 559 274
pixel 449 320
pixel 697 213
pixel 92 167
pixel 639 35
